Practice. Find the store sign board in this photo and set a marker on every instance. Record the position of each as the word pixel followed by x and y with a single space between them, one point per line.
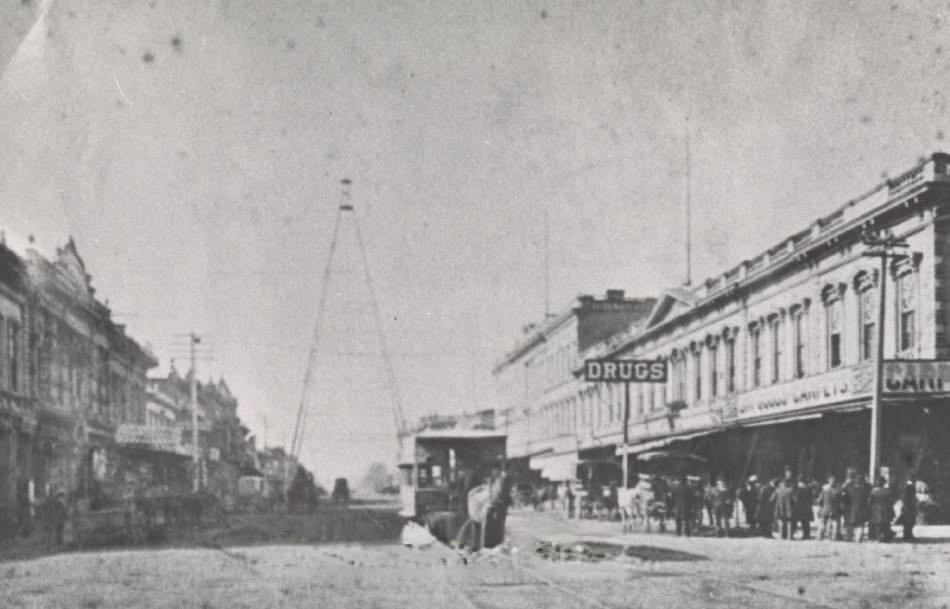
pixel 800 394
pixel 916 377
pixel 162 438
pixel 624 371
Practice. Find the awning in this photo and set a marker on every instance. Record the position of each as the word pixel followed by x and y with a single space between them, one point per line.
pixel 555 467
pixel 801 417
pixel 631 449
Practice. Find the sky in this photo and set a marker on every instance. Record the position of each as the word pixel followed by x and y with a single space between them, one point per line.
pixel 194 151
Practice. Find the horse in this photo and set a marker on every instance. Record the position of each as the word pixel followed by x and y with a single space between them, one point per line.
pixel 640 504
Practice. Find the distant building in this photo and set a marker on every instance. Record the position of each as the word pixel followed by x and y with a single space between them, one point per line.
pixel 224 447
pixel 541 400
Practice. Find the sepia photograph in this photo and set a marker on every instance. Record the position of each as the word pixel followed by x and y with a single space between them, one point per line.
pixel 512 304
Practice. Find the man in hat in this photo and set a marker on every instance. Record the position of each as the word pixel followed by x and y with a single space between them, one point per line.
pixel 765 509
pixel 785 506
pixel 748 496
pixel 683 500
pixel 54 519
pixel 829 503
pixel 880 512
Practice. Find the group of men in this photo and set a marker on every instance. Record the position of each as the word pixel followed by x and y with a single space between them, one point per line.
pixel 689 498
pixel 844 511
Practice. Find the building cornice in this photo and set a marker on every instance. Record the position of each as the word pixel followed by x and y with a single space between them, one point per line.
pixel 904 196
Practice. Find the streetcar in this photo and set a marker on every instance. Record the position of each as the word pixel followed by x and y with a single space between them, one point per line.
pixel 432 465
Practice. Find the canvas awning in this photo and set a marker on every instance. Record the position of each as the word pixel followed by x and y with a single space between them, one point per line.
pixel 631 449
pixel 555 467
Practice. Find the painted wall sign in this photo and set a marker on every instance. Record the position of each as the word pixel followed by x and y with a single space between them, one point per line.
pixel 916 377
pixel 624 371
pixel 828 388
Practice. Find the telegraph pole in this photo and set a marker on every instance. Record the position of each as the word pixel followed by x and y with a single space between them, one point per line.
pixel 883 249
pixel 193 340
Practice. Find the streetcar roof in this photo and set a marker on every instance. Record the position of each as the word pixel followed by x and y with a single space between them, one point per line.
pixel 459 434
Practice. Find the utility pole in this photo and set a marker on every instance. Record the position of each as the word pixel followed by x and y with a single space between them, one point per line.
pixel 626 432
pixel 194 339
pixel 883 246
pixel 689 219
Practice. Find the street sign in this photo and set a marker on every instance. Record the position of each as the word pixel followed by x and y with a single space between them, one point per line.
pixel 624 371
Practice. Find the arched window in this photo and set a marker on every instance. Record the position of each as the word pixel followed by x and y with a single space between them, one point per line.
pixel 906 308
pixel 799 334
pixel 776 329
pixel 834 324
pixel 697 351
pixel 867 315
pixel 712 356
pixel 729 341
pixel 755 350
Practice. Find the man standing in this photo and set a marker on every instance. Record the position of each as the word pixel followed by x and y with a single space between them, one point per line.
pixel 880 512
pixel 785 506
pixel 747 496
pixel 765 510
pixel 829 503
pixel 54 519
pixel 858 495
pixel 683 507
pixel 499 493
pixel 803 500
pixel 909 509
pixel 722 507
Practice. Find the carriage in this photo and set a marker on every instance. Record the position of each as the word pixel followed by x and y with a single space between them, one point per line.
pixel 435 466
pixel 656 472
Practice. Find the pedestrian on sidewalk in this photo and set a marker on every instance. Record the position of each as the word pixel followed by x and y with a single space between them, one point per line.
pixel 709 493
pixel 880 512
pixel 748 496
pixel 722 507
pixel 765 511
pixel 908 515
pixel 858 495
pixel 683 507
pixel 803 501
pixel 829 503
pixel 54 519
pixel 785 507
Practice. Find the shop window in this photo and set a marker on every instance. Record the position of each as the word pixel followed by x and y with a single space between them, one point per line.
pixel 867 319
pixel 907 309
pixel 755 341
pixel 775 329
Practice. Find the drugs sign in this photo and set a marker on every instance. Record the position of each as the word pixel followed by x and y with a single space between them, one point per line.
pixel 624 371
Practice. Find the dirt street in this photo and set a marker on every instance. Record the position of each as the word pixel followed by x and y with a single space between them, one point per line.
pixel 275 561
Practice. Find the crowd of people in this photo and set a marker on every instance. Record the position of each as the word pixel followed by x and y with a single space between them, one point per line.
pixel 787 506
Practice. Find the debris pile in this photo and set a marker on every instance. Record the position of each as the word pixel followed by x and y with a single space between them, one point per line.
pixel 579 552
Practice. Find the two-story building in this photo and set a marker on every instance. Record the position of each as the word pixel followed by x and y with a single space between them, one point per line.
pixel 772 362
pixel 68 376
pixel 546 411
